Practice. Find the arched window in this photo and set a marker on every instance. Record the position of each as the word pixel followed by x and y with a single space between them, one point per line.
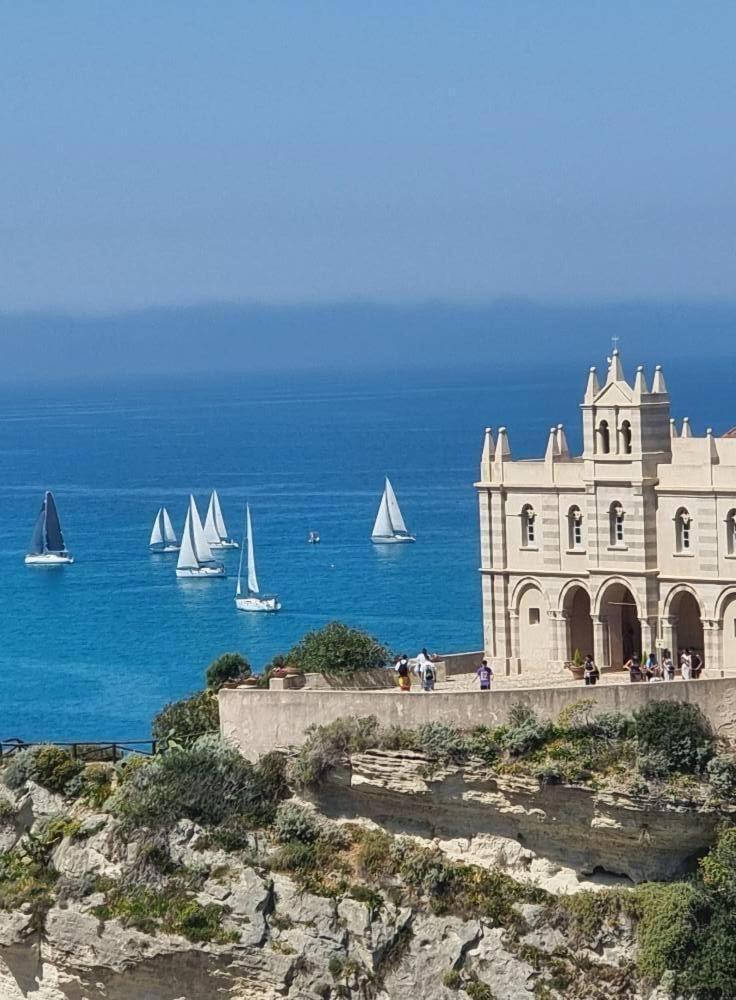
pixel 528 526
pixel 616 518
pixel 625 438
pixel 575 528
pixel 731 532
pixel 604 438
pixel 683 526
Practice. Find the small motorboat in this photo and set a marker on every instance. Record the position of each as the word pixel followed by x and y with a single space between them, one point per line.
pixel 313 538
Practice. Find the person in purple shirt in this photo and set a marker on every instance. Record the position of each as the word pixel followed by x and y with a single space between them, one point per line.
pixel 484 675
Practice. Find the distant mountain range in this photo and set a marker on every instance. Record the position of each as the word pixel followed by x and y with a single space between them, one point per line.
pixel 354 335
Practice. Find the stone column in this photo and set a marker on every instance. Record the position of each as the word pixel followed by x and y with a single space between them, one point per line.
pixel 600 641
pixel 669 635
pixel 712 647
pixel 648 636
pixel 514 653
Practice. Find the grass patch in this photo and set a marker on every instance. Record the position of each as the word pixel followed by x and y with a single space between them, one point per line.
pixel 172 909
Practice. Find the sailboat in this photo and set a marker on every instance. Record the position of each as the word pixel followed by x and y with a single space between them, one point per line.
pixel 389 527
pixel 250 598
pixel 163 536
pixel 47 544
pixel 195 555
pixel 214 526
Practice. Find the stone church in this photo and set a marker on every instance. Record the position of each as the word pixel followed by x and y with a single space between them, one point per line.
pixel 627 548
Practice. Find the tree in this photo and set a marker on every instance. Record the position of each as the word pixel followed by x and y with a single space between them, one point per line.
pixel 338 649
pixel 228 667
pixel 186 719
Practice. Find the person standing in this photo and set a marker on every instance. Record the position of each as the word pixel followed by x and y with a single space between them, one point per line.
pixel 696 664
pixel 484 675
pixel 668 665
pixel 428 675
pixel 402 669
pixel 590 670
pixel 686 665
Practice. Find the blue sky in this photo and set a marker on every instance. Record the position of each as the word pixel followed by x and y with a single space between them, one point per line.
pixel 175 152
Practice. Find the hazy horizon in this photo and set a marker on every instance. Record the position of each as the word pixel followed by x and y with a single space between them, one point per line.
pixel 355 337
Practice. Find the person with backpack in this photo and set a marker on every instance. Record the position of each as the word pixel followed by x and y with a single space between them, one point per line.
pixel 428 675
pixel 402 669
pixel 485 676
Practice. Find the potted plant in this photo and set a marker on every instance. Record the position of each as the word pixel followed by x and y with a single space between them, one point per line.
pixel 576 666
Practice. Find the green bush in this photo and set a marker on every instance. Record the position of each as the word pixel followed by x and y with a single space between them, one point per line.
pixel 677 730
pixel 207 782
pixel 48 765
pixel 295 822
pixel 483 742
pixel 373 855
pixel 654 765
pixel 228 667
pixel 525 733
pixel 721 772
pixel 338 649
pixel 97 784
pixel 171 909
pixel 441 742
pixel 7 811
pixel 477 990
pixel 666 927
pixel 327 746
pixel 398 738
pixel 452 980
pixel 187 719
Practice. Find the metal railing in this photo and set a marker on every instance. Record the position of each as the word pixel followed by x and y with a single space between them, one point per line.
pixel 88 750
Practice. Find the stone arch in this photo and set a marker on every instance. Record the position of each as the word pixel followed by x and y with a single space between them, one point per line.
pixel 682 588
pixel 685 613
pixel 575 607
pixel 532 624
pixel 521 586
pixel 726 614
pixel 619 609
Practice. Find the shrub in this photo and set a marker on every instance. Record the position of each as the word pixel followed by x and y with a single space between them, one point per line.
pixel 525 732
pixel 483 742
pixel 373 855
pixel 326 746
pixel 295 822
pixel 20 769
pixel 187 719
pixel 338 649
pixel 7 811
pixel 207 782
pixel 677 730
pixel 171 909
pixel 721 773
pixel 97 784
pixel 718 868
pixel 228 667
pixel 477 990
pixel 303 860
pixel 25 881
pixel 666 927
pixel 653 765
pixel 452 979
pixel 54 768
pixel 441 742
pixel 364 894
pixel 398 738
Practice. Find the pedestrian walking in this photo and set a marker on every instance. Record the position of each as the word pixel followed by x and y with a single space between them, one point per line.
pixel 485 676
pixel 428 675
pixel 402 669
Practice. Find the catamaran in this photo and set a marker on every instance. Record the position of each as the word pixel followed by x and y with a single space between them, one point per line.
pixel 47 544
pixel 389 527
pixel 163 536
pixel 250 598
pixel 214 526
pixel 195 555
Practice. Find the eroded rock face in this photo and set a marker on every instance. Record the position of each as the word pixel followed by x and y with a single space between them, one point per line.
pixel 554 835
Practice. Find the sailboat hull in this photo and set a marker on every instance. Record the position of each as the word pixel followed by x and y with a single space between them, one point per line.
pixel 225 543
pixel 391 539
pixel 49 559
pixel 164 548
pixel 257 603
pixel 201 573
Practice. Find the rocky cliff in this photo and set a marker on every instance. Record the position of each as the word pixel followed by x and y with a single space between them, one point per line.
pixel 560 836
pixel 274 938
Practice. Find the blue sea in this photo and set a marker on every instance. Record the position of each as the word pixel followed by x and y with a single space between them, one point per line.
pixel 93 650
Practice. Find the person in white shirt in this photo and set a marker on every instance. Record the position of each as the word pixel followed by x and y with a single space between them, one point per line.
pixel 686 666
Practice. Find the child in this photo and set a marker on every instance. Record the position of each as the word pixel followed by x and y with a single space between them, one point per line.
pixel 485 676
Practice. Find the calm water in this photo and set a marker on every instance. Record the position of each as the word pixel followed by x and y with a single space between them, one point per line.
pixel 92 651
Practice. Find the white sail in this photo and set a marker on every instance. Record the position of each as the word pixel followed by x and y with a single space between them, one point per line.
pixel 252 578
pixel 187 554
pixel 157 534
pixel 394 512
pixel 238 589
pixel 383 527
pixel 202 549
pixel 169 533
pixel 219 519
pixel 210 527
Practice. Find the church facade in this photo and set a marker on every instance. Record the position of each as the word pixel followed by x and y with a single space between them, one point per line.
pixel 627 548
